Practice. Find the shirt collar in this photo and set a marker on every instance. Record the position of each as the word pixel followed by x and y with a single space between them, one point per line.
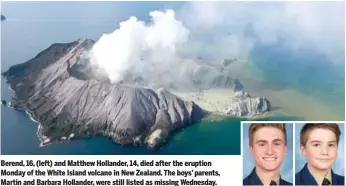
pixel 319 178
pixel 267 182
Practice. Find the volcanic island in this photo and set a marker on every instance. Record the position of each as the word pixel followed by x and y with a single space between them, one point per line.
pixel 69 99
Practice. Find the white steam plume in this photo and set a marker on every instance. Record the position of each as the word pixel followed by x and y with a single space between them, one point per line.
pixel 139 50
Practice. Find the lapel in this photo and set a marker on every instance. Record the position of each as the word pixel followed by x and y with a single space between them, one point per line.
pixel 335 180
pixel 306 178
pixel 254 179
pixel 282 182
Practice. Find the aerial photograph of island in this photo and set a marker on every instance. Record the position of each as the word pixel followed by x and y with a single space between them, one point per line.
pixel 164 78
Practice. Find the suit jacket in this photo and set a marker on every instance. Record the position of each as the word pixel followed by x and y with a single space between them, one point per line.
pixel 304 177
pixel 253 179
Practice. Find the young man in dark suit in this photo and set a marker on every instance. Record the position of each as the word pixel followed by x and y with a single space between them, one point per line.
pixel 319 144
pixel 268 147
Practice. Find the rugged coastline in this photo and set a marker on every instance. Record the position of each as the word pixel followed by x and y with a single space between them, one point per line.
pixel 68 105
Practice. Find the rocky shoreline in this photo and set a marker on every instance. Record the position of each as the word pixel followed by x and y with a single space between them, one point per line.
pixel 67 105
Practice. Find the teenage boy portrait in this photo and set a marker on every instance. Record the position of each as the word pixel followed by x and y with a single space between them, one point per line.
pixel 319 144
pixel 267 145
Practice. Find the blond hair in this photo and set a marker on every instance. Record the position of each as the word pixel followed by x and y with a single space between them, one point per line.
pixel 254 127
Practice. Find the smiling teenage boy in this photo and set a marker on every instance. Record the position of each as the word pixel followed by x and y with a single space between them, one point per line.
pixel 319 144
pixel 268 147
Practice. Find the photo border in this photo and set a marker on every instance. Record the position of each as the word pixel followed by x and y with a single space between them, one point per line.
pixel 293 150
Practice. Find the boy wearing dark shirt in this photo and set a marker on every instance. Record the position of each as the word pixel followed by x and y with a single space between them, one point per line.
pixel 319 144
pixel 268 147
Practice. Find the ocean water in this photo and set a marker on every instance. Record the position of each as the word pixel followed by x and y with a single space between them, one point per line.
pixel 18 136
pixel 307 71
pixel 32 27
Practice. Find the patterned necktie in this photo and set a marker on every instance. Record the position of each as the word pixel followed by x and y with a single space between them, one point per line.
pixel 273 183
pixel 325 181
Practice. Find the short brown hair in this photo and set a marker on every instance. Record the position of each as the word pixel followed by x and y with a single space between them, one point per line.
pixel 256 126
pixel 307 128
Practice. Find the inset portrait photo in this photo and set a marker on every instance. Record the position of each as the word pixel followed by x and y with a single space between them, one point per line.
pixel 319 154
pixel 267 153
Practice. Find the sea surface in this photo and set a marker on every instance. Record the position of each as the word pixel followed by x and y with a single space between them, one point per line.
pixel 26 32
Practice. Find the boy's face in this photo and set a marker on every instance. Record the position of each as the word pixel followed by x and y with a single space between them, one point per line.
pixel 268 148
pixel 321 149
